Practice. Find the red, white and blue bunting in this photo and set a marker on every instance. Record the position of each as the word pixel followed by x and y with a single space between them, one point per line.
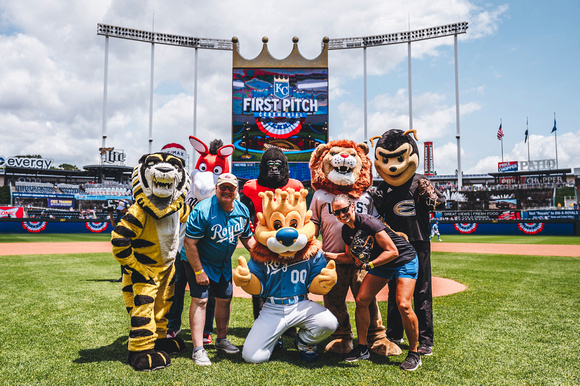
pixel 531 228
pixel 466 228
pixel 34 226
pixel 279 130
pixel 96 227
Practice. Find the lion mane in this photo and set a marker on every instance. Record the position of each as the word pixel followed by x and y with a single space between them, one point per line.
pixel 320 180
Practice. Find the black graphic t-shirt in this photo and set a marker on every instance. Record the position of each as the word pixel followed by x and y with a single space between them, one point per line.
pixel 372 226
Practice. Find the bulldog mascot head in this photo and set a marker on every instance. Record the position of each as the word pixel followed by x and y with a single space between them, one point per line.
pixel 341 167
pixel 396 156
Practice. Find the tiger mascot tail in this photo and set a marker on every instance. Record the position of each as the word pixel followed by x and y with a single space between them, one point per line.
pixel 145 243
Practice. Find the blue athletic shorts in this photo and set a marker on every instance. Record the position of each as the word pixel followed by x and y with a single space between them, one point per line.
pixel 408 270
pixel 221 290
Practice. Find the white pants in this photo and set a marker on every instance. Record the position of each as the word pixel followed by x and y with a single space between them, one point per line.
pixel 316 323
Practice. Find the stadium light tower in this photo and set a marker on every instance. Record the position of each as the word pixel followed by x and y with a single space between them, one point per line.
pixel 333 44
pixel 407 37
pixel 156 38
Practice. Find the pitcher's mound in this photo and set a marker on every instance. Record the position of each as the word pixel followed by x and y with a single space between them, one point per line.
pixel 441 287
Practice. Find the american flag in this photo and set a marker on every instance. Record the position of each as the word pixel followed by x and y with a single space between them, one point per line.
pixel 499 133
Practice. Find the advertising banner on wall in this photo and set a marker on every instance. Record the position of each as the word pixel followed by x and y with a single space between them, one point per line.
pixel 61 203
pixel 11 212
pixel 510 166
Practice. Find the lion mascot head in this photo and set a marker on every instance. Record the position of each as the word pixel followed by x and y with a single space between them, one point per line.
pixel 284 232
pixel 160 184
pixel 341 166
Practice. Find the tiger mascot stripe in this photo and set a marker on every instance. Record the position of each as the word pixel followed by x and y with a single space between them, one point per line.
pixel 145 243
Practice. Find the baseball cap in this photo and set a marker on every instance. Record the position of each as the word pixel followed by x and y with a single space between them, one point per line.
pixel 227 178
pixel 122 205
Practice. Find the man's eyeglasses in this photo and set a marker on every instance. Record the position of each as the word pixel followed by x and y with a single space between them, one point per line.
pixel 339 212
pixel 230 188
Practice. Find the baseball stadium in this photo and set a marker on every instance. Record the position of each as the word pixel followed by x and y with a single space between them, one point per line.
pixel 504 265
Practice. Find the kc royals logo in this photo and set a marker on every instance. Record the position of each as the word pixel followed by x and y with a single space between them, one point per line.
pixel 281 87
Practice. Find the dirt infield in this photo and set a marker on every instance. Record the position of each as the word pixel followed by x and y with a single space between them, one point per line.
pixel 441 286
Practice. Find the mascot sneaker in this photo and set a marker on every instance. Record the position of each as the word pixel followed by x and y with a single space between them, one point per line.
pixel 200 358
pixel 173 334
pixel 412 362
pixel 359 352
pixel 307 353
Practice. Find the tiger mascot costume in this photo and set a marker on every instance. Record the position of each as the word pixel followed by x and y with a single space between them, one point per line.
pixel 145 243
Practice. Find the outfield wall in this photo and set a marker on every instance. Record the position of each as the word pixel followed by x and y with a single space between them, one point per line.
pixel 548 227
pixel 512 228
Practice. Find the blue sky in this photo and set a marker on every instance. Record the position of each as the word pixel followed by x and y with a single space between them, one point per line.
pixel 518 60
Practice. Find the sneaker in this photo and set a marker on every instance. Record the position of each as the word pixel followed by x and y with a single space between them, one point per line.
pixel 425 350
pixel 279 345
pixel 412 362
pixel 200 358
pixel 226 346
pixel 207 339
pixel 307 353
pixel 397 341
pixel 359 352
pixel 173 334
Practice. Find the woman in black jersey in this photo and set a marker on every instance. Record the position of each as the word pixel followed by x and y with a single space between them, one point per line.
pixel 385 255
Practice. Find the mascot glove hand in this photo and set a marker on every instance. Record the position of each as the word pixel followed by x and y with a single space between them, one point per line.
pixel 324 282
pixel 244 278
pixel 428 191
pixel 242 275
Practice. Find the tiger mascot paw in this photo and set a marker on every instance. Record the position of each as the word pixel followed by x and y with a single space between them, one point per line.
pixel 148 360
pixel 170 345
pixel 340 346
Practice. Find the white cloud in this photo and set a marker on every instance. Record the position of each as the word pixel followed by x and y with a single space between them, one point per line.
pixel 52 69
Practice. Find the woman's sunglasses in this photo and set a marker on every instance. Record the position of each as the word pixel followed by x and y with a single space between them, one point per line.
pixel 339 212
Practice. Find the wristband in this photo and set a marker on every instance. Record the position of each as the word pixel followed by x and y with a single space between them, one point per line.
pixel 371 264
pixel 198 272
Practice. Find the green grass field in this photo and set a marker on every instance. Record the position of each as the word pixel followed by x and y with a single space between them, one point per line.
pixel 64 322
pixel 106 236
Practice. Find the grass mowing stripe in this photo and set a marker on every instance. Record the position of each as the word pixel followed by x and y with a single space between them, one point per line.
pixel 517 323
pixel 455 238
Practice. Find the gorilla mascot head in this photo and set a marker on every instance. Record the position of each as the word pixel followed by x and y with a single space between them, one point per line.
pixel 274 171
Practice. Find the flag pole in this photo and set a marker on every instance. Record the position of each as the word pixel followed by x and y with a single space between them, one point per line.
pixel 555 139
pixel 501 139
pixel 528 139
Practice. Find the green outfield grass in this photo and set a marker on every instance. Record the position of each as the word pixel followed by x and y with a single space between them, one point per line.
pixel 53 237
pixel 106 236
pixel 498 239
pixel 64 322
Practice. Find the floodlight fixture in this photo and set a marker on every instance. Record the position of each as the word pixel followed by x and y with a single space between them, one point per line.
pixel 163 38
pixel 398 37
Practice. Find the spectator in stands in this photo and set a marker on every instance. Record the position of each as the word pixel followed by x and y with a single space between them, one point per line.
pixel 114 217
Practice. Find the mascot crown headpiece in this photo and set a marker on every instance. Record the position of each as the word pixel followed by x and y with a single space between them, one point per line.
pixel 283 201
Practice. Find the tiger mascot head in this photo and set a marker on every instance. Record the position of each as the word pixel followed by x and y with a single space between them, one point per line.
pixel 341 166
pixel 160 184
